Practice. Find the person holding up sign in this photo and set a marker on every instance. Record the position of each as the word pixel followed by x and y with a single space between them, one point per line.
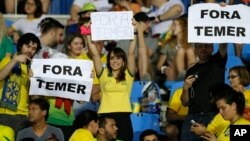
pixel 14 82
pixel 116 82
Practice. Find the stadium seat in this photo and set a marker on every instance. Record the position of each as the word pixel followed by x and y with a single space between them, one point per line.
pixel 143 121
pixel 176 85
pixel 246 52
pixel 230 49
pixel 136 91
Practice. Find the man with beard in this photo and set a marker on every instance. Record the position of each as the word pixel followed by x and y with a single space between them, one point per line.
pixel 40 130
pixel 107 129
pixel 51 36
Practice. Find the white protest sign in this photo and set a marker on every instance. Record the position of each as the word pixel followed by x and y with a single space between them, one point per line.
pixel 112 25
pixel 212 23
pixel 67 78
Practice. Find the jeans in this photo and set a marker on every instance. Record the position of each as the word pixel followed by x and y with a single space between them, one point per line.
pixel 204 118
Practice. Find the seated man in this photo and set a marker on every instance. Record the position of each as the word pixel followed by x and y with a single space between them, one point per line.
pixel 107 129
pixel 175 115
pixel 149 135
pixel 39 130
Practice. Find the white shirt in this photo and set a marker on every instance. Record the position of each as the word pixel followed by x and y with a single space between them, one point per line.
pixel 163 26
pixel 28 26
pixel 101 5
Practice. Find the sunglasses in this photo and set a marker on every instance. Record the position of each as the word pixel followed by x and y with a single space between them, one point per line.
pixel 232 76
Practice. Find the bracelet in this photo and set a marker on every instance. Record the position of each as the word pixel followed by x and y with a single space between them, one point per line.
pixel 158 17
pixel 163 69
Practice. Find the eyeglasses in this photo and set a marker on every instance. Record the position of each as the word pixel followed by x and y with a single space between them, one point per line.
pixel 232 76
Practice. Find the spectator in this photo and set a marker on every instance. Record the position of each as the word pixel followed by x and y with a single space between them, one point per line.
pixel 74 48
pixel 166 11
pixel 61 114
pixel 86 126
pixel 142 24
pixel 10 5
pixel 14 80
pixel 199 78
pixel 239 79
pixel 101 5
pixel 116 82
pixel 33 10
pixel 7 133
pixel 231 106
pixel 39 130
pixel 126 5
pixel 107 129
pixel 52 35
pixel 6 44
pixel 149 135
pixel 176 114
pixel 177 54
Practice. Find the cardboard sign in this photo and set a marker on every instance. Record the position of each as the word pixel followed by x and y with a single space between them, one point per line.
pixel 212 23
pixel 67 78
pixel 112 25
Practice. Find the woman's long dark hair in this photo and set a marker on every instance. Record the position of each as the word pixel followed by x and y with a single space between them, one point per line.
pixel 118 52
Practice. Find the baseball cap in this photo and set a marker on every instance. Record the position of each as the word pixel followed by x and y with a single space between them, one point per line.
pixel 143 17
pixel 87 7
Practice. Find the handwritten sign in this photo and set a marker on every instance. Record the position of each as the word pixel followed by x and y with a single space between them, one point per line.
pixel 212 23
pixel 112 25
pixel 67 78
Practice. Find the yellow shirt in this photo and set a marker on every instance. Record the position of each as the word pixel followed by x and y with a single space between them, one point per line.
pixel 6 134
pixel 82 135
pixel 103 60
pixel 176 105
pixel 225 134
pixel 247 101
pixel 22 107
pixel 217 125
pixel 115 96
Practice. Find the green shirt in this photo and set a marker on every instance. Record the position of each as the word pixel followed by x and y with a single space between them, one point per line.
pixel 6 46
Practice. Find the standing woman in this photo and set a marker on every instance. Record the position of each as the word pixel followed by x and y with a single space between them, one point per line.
pixel 116 82
pixel 33 10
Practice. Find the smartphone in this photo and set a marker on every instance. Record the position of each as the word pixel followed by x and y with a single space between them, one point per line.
pixel 192 122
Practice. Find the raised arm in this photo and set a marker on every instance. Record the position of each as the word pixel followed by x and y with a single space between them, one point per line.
pixel 172 13
pixel 223 49
pixel 142 50
pixel 131 56
pixel 95 56
pixel 7 69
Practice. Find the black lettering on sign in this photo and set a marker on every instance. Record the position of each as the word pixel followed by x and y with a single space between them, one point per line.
pixel 61 86
pixel 65 70
pixel 215 14
pixel 220 31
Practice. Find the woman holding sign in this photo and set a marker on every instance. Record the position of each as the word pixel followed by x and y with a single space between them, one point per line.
pixel 115 82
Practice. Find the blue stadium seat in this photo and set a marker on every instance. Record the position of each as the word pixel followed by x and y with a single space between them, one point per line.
pixel 176 86
pixel 143 121
pixel 231 62
pixel 246 52
pixel 136 91
pixel 230 49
